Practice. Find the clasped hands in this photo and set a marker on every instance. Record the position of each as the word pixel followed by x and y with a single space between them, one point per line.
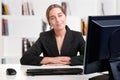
pixel 61 60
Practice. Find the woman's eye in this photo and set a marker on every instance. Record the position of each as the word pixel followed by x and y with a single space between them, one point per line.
pixel 60 15
pixel 52 18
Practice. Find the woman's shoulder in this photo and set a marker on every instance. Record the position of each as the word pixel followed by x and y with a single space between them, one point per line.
pixel 76 33
pixel 73 31
pixel 46 33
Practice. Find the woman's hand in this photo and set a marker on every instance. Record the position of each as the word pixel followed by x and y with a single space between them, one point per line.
pixel 61 60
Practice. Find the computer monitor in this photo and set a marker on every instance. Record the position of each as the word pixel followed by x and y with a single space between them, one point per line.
pixel 102 49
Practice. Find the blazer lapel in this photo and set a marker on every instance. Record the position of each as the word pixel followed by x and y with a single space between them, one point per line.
pixel 67 42
pixel 51 42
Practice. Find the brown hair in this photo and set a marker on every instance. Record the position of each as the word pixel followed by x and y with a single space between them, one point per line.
pixel 51 7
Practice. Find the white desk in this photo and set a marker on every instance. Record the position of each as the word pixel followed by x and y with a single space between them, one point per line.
pixel 21 75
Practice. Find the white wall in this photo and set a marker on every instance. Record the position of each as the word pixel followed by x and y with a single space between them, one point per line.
pixel 25 26
pixel 40 6
pixel 110 7
pixel 1 47
pixel 11 49
pixel 118 7
pixel 83 8
pixel 74 23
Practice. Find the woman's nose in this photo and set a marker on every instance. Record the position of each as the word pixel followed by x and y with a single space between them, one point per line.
pixel 57 19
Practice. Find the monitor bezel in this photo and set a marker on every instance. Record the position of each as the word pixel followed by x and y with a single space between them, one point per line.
pixel 98 63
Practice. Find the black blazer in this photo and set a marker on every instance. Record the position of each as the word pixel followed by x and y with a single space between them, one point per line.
pixel 46 44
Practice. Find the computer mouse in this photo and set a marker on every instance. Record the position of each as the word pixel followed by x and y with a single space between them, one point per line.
pixel 10 71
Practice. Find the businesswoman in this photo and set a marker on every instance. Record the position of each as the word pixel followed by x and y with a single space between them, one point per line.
pixel 59 46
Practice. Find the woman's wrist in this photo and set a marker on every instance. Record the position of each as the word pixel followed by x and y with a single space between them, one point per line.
pixel 46 60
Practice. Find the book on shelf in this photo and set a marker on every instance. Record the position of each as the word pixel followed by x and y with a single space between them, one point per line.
pixel 30 6
pixel 5 27
pixel 26 44
pixel 27 8
pixel 4 9
pixel 84 27
pixel 45 26
pixel 64 5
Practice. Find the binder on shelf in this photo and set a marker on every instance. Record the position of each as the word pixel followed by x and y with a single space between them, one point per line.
pixel 4 9
pixel 5 27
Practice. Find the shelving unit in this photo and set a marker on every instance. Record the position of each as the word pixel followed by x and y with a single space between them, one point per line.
pixel 24 26
pixel 30 26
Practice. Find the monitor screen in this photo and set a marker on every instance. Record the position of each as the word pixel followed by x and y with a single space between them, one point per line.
pixel 101 43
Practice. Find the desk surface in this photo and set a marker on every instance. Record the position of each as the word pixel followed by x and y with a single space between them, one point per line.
pixel 21 75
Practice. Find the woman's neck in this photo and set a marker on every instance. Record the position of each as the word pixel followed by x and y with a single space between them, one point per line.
pixel 60 33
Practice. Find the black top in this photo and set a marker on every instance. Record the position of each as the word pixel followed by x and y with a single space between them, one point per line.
pixel 46 44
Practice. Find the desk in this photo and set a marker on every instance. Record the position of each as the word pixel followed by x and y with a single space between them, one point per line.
pixel 21 75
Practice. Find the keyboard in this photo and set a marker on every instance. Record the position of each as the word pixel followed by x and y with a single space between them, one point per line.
pixel 54 71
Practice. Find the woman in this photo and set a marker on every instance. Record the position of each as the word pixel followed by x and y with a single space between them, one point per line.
pixel 59 45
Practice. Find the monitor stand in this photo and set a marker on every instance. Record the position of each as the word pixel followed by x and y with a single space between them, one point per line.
pixel 114 72
pixel 115 68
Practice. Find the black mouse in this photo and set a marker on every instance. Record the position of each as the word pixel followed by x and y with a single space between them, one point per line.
pixel 10 71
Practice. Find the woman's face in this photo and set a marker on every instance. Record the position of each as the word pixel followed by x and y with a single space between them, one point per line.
pixel 57 19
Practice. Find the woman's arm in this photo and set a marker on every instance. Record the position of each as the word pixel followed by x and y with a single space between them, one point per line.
pixel 31 57
pixel 62 60
pixel 78 60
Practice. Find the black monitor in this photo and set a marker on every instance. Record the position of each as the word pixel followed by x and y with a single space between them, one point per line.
pixel 102 51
